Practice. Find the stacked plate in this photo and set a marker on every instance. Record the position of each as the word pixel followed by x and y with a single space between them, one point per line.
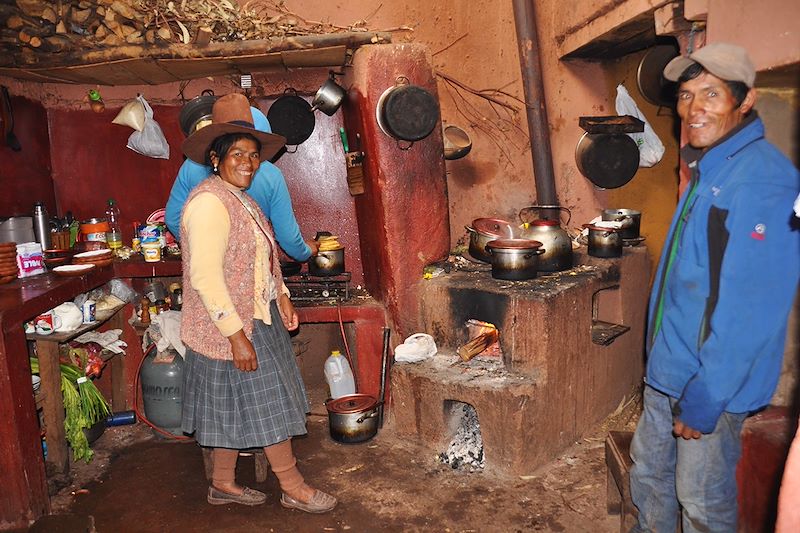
pixel 98 258
pixel 8 262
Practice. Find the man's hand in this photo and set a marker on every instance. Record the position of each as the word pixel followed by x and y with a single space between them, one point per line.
pixel 244 355
pixel 288 313
pixel 314 245
pixel 679 429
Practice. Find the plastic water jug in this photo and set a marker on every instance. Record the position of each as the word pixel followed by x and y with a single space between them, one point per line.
pixel 339 376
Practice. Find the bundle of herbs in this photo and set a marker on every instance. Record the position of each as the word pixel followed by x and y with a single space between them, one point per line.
pixel 84 406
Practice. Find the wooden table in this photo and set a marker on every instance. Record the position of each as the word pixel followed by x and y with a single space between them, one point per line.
pixel 47 349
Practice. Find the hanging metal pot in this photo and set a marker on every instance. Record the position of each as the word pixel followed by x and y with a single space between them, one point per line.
pixel 329 97
pixel 196 113
pixel 407 112
pixel 291 116
pixel 650 79
pixel 609 160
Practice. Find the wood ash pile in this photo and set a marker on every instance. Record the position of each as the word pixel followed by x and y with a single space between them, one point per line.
pixel 466 448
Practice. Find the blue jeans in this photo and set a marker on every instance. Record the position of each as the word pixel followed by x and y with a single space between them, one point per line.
pixel 694 479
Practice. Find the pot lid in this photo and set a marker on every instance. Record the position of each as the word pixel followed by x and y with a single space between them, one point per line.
pixel 650 75
pixel 607 160
pixel 493 226
pixel 514 244
pixel 352 403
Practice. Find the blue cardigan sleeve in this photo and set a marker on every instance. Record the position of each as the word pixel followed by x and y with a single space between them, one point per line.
pixel 270 192
pixel 189 175
pixel 758 282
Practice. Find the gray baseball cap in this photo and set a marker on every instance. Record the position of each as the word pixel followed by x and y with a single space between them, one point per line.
pixel 724 60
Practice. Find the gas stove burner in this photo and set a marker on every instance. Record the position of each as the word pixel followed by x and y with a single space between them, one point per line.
pixel 305 287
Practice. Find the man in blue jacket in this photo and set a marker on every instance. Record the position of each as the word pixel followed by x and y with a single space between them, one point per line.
pixel 723 291
pixel 268 189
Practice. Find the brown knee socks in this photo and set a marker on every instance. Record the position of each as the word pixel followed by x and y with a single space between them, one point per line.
pixel 224 472
pixel 281 459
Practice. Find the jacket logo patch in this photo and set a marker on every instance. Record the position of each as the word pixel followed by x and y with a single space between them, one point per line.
pixel 759 232
pixel 716 190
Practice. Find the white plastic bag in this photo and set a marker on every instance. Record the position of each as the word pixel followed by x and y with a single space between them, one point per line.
pixel 131 115
pixel 651 149
pixel 150 141
pixel 415 348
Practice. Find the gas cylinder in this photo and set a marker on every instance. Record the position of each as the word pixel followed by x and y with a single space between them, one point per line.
pixel 161 377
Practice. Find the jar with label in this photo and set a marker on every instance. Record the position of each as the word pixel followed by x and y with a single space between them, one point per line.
pixel 151 251
pixel 88 309
pixel 94 229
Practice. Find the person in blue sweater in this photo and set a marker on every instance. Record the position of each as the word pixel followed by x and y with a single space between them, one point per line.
pixel 723 291
pixel 268 190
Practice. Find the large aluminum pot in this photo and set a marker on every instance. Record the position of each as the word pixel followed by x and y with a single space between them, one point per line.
pixel 631 221
pixel 514 259
pixel 327 263
pixel 604 242
pixel 484 230
pixel 329 97
pixel 353 418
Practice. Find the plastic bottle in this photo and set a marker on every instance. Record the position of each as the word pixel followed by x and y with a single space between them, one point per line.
pixel 339 376
pixel 41 225
pixel 114 234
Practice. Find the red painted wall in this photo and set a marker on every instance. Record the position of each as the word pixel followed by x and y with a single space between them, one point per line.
pixel 25 175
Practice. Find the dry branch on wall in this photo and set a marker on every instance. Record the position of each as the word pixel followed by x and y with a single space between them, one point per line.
pixel 101 25
pixel 502 127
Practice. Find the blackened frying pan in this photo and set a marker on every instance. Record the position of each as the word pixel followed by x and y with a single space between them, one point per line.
pixel 292 117
pixel 608 160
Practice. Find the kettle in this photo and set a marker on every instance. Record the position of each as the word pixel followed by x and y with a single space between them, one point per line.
pixel 555 240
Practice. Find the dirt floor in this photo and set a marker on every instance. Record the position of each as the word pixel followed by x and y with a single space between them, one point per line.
pixel 142 483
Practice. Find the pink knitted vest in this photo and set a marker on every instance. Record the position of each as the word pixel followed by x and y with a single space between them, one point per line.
pixel 197 329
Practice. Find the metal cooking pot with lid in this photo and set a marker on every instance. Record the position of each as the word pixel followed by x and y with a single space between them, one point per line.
pixel 407 112
pixel 631 221
pixel 484 230
pixel 196 113
pixel 353 418
pixel 604 242
pixel 514 259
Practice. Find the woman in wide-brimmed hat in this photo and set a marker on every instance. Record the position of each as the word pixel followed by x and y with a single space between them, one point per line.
pixel 242 386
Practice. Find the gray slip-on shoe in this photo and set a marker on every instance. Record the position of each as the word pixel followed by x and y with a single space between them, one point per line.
pixel 320 502
pixel 247 497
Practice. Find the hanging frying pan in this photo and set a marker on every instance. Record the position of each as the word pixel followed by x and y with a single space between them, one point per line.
pixel 196 113
pixel 292 117
pixel 650 75
pixel 607 160
pixel 407 112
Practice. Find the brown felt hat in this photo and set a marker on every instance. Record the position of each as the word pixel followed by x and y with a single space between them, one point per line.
pixel 724 60
pixel 230 114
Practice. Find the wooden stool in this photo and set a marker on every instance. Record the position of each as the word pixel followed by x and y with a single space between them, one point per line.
pixel 261 464
pixel 618 484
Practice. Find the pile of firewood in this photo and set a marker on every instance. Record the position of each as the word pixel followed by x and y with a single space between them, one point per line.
pixel 32 30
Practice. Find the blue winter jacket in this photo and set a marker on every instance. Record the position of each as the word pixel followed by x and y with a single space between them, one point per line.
pixel 268 189
pixel 734 276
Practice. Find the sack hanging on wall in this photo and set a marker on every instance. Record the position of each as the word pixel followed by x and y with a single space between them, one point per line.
pixel 651 149
pixel 150 141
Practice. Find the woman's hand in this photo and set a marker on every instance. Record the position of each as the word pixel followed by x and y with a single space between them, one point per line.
pixel 244 355
pixel 288 313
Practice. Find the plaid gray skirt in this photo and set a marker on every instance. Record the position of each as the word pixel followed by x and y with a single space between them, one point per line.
pixel 227 408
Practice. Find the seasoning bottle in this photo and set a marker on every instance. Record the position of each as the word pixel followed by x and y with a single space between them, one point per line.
pixel 41 225
pixel 114 233
pixel 177 299
pixel 136 242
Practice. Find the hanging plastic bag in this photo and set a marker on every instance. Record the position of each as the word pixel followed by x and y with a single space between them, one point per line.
pixel 651 149
pixel 150 141
pixel 131 115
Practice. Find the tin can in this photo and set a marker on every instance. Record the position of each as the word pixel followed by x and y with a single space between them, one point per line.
pixel 88 310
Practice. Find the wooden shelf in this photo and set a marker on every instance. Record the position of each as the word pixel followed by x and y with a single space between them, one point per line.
pixel 101 317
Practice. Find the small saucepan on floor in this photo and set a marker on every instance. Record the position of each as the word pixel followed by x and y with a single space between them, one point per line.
pixel 353 418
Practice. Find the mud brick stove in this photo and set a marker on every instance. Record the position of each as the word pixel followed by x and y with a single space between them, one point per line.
pixel 572 348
